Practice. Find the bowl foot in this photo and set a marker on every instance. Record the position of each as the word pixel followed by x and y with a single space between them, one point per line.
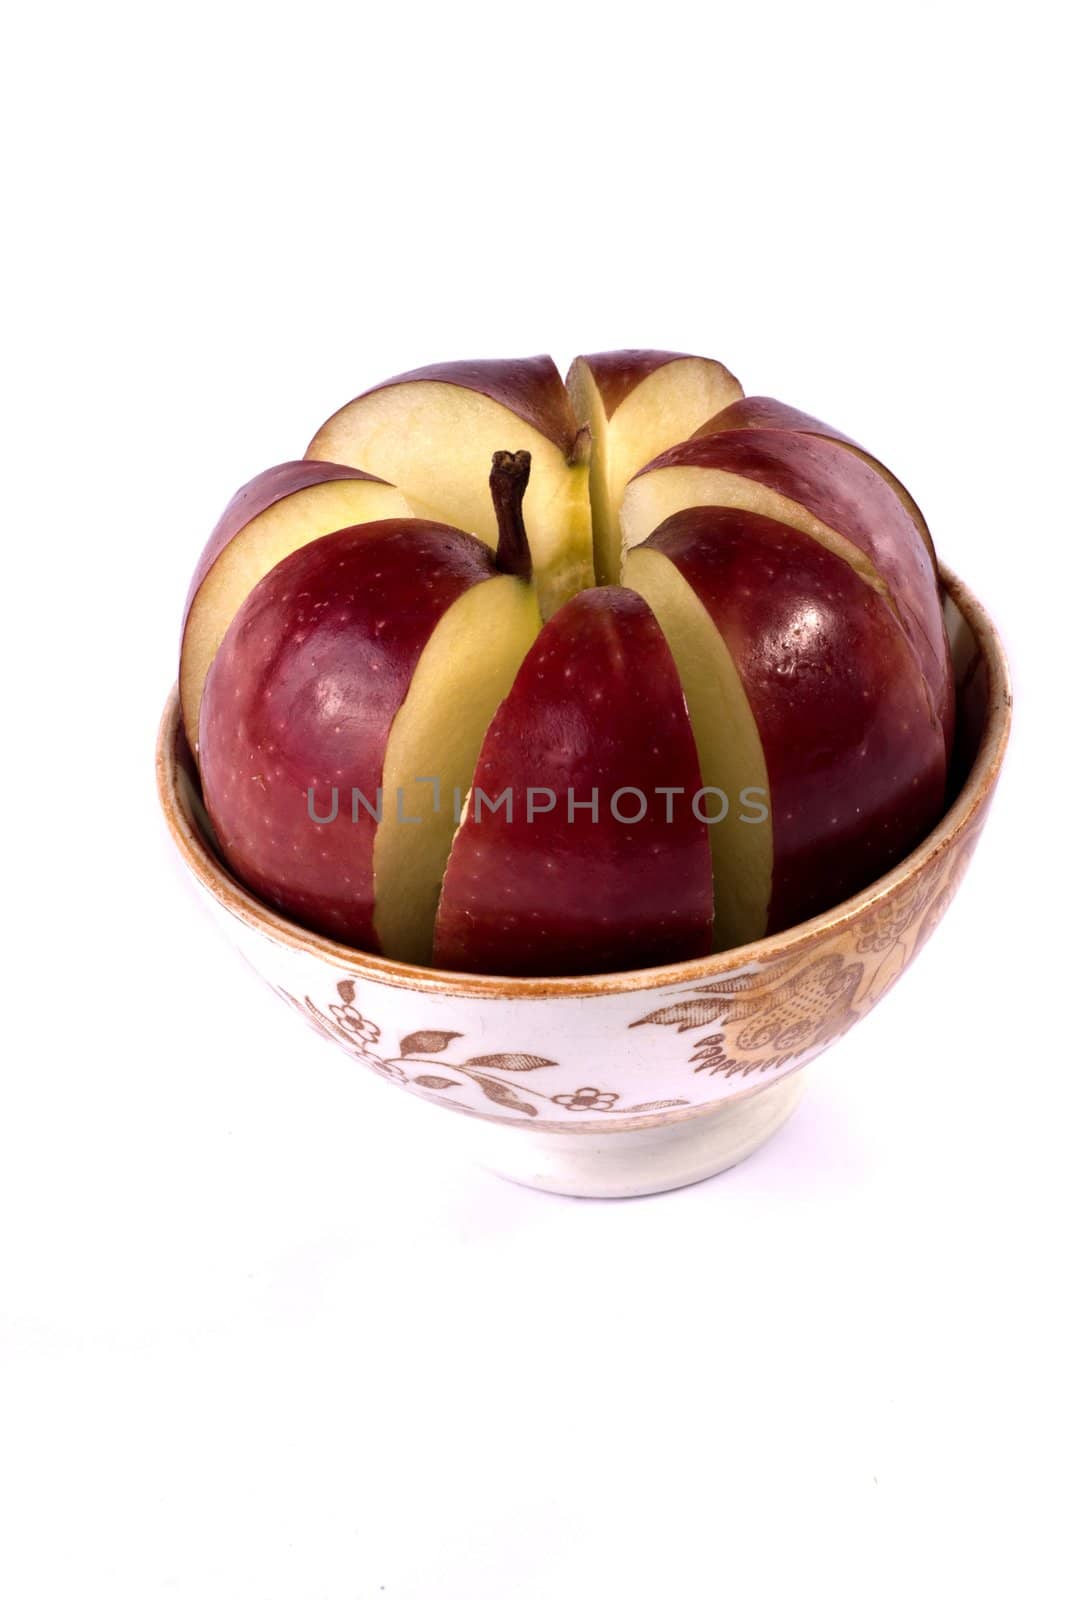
pixel 617 1165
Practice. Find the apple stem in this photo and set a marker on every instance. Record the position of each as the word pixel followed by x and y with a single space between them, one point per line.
pixel 507 485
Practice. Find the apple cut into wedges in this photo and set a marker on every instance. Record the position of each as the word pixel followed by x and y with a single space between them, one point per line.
pixel 540 679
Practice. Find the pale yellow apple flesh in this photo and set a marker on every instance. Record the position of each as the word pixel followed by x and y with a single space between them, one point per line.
pixel 286 526
pixel 433 440
pixel 728 745
pixel 664 408
pixel 465 670
pixel 653 497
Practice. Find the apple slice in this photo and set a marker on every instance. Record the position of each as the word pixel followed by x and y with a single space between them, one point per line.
pixel 431 431
pixel 276 513
pixel 830 494
pixel 800 683
pixel 344 707
pixel 539 885
pixel 636 403
pixel 759 411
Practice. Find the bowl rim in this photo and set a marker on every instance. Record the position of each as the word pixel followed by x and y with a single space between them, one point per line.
pixel 241 903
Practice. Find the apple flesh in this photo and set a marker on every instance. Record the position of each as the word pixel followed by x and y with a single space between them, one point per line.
pixel 831 495
pixel 431 431
pixel 636 403
pixel 553 890
pixel 800 682
pixel 371 659
pixel 759 411
pixel 278 512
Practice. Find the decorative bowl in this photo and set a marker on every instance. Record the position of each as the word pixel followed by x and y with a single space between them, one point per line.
pixel 631 1082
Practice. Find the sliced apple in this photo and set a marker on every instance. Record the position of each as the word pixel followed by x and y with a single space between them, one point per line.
pixel 431 432
pixel 540 884
pixel 759 411
pixel 801 683
pixel 830 494
pixel 465 670
pixel 636 403
pixel 278 512
pixel 728 743
pixel 346 704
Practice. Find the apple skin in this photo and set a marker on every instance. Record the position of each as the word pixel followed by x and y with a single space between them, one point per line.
pixel 760 411
pixel 844 492
pixel 267 489
pixel 596 704
pixel 302 695
pixel 617 373
pixel 257 496
pixel 855 757
pixel 530 386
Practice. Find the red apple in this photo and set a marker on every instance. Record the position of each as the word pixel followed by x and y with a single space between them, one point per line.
pixel 370 660
pixel 829 494
pixel 803 688
pixel 363 651
pixel 595 716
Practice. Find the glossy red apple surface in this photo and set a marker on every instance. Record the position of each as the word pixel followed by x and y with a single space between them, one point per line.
pixel 830 494
pixel 580 843
pixel 843 741
pixel 362 663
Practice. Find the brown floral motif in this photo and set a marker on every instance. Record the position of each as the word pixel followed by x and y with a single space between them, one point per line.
pixel 896 931
pixel 586 1099
pixel 799 1012
pixel 712 1055
pixel 883 926
pixel 590 1099
pixel 766 1019
pixel 354 1023
pixel 346 1025
pixel 951 878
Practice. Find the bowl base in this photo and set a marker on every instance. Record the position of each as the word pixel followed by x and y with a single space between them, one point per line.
pixel 619 1165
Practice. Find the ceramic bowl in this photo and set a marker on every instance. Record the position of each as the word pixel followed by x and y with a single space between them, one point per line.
pixel 638 1081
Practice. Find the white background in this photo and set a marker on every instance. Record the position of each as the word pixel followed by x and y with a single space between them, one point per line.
pixel 263 1337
